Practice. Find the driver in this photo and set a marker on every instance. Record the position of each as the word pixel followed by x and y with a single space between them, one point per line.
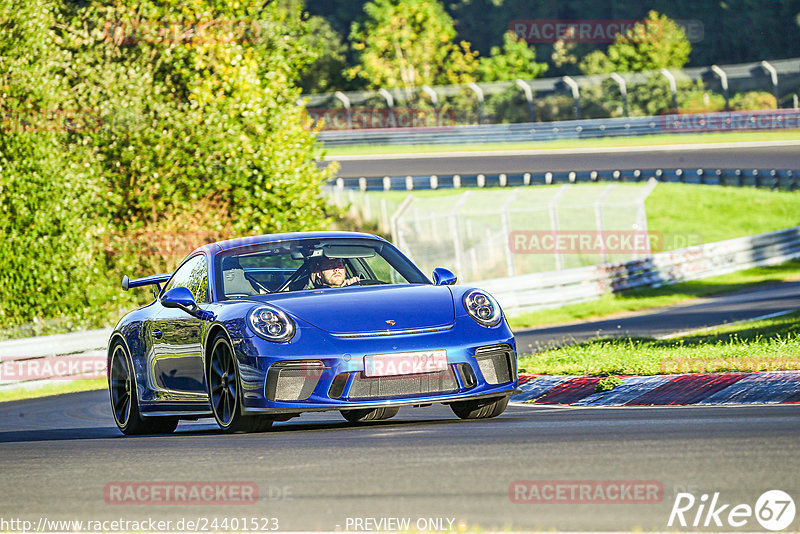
pixel 329 272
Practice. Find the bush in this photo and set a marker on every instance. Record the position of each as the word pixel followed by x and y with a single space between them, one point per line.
pixel 607 384
pixel 47 195
pixel 753 101
pixel 193 134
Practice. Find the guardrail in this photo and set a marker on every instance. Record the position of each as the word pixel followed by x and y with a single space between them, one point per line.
pixel 38 361
pixel 566 130
pixel 537 291
pixel 788 179
pixel 468 103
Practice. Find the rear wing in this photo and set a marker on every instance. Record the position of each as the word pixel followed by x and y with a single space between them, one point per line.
pixel 156 279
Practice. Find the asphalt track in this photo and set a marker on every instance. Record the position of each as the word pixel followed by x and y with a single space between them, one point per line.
pixel 58 454
pixel 769 157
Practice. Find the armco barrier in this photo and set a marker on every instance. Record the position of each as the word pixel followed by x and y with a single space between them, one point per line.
pixel 31 362
pixel 768 178
pixel 784 119
pixel 546 290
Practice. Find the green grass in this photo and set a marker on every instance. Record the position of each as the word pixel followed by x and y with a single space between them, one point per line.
pixel 717 213
pixel 767 345
pixel 649 140
pixel 646 298
pixel 33 391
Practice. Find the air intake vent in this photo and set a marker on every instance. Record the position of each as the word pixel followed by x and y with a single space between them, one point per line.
pixel 365 387
pixel 337 387
pixel 292 380
pixel 498 363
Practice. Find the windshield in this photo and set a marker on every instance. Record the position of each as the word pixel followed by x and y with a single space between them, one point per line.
pixel 304 264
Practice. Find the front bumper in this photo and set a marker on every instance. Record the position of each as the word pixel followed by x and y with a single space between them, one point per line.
pixel 326 372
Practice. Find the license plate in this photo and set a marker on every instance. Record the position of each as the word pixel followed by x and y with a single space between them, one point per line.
pixel 405 363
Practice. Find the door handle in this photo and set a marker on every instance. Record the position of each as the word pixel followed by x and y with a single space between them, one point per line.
pixel 157 334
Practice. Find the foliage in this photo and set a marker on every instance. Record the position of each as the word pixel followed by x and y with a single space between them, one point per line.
pixel 206 109
pixel 653 44
pixel 607 384
pixel 47 195
pixel 326 72
pixel 143 118
pixel 409 43
pixel 514 60
pixel 753 100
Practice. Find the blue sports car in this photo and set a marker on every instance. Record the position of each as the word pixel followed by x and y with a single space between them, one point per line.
pixel 261 329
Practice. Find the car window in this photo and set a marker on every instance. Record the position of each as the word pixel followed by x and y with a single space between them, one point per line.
pixel 286 265
pixel 193 275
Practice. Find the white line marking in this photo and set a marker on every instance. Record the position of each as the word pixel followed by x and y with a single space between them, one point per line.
pixel 558 151
pixel 709 328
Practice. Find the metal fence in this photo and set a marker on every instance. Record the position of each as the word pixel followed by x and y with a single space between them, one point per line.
pixel 343 190
pixel 569 129
pixel 546 290
pixel 538 100
pixel 523 230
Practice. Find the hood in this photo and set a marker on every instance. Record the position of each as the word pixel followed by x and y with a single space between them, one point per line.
pixel 354 310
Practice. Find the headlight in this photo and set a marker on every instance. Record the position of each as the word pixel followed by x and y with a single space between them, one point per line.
pixel 482 307
pixel 271 323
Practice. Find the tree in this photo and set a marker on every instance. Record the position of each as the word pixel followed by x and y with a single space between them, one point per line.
pixel 655 43
pixel 199 115
pixel 409 43
pixel 47 193
pixel 326 71
pixel 514 60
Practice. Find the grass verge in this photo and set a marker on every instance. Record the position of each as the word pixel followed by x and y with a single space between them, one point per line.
pixel 767 345
pixel 647 298
pixel 34 391
pixel 608 142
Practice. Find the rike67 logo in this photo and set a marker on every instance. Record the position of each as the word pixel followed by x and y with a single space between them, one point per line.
pixel 774 510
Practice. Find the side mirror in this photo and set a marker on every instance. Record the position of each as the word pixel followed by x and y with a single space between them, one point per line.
pixel 181 298
pixel 443 277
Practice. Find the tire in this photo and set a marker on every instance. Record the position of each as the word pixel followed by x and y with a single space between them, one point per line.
pixel 480 409
pixel 125 399
pixel 370 414
pixel 225 391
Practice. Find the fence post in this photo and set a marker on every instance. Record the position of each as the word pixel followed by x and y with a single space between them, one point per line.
pixel 576 95
pixel 346 102
pixel 673 87
pixel 506 222
pixel 723 78
pixel 773 73
pixel 479 95
pixel 623 89
pixel 553 208
pixel 528 96
pixel 389 102
pixel 387 183
pixel 396 237
pixel 428 90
